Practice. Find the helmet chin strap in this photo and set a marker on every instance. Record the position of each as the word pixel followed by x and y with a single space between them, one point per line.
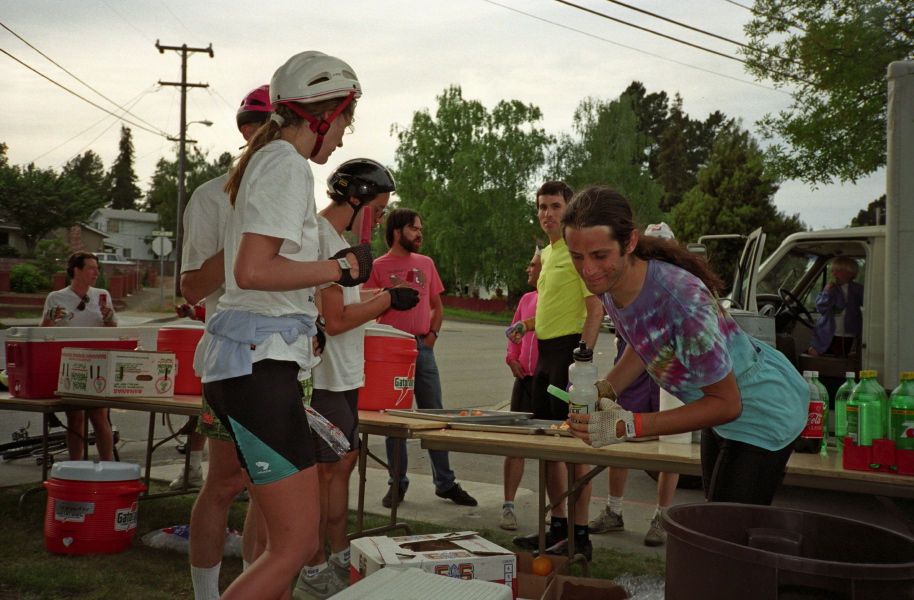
pixel 320 126
pixel 356 208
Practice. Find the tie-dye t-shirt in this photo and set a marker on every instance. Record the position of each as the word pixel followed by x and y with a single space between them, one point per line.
pixel 687 341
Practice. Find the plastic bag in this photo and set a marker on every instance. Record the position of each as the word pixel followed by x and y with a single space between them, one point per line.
pixel 178 538
pixel 327 430
pixel 641 587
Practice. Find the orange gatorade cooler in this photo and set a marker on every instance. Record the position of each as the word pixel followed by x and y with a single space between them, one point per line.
pixel 390 369
pixel 92 507
pixel 182 339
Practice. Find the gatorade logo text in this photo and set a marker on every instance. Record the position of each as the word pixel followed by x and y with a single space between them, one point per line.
pixel 125 518
pixel 404 383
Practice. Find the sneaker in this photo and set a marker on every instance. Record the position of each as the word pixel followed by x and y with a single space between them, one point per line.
pixel 194 481
pixel 561 549
pixel 656 536
pixel 508 519
pixel 342 571
pixel 387 500
pixel 607 520
pixel 459 496
pixel 323 585
pixel 532 541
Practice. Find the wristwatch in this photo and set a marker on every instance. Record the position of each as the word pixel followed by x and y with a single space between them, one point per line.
pixel 433 331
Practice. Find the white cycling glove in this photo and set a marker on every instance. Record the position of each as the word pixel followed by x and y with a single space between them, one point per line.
pixel 602 426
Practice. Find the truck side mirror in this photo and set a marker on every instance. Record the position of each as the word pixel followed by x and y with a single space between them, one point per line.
pixel 698 249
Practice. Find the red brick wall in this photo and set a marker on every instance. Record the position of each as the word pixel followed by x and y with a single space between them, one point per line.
pixel 475 304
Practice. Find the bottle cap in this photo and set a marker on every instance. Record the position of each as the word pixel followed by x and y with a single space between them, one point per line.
pixel 814 374
pixel 582 353
pixel 867 374
pixel 907 376
pixel 850 374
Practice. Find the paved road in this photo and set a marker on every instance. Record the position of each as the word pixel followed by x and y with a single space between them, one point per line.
pixel 474 375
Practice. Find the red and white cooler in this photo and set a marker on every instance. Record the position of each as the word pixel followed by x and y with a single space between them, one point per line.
pixel 390 368
pixel 33 353
pixel 92 507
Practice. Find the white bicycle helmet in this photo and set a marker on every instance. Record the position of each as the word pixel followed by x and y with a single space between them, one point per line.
pixel 311 77
pixel 661 230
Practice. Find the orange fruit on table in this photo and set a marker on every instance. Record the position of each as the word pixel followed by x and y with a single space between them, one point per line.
pixel 541 566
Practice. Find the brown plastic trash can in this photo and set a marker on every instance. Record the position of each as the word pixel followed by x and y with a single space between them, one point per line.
pixel 722 551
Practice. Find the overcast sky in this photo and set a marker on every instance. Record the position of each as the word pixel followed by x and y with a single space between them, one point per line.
pixel 404 53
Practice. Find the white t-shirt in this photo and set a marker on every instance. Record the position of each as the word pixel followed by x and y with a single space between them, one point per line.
pixel 205 219
pixel 90 316
pixel 276 199
pixel 342 365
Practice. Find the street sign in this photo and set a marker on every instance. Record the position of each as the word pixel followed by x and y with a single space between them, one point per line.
pixel 161 246
pixel 163 234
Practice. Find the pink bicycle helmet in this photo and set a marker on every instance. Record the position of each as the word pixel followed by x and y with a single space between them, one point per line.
pixel 255 108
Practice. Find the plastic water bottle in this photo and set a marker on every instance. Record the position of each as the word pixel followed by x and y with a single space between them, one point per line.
pixel 583 395
pixel 841 396
pixel 823 395
pixel 810 440
pixel 866 410
pixel 901 420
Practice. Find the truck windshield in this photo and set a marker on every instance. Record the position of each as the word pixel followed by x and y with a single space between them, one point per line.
pixel 787 273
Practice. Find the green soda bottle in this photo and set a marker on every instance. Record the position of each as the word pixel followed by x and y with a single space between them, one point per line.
pixel 866 410
pixel 901 420
pixel 823 395
pixel 841 396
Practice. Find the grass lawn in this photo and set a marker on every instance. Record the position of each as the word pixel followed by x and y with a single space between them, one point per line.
pixel 29 572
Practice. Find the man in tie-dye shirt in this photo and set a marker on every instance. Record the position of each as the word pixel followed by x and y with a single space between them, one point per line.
pixel 749 399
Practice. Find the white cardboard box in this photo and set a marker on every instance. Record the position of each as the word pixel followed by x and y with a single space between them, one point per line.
pixel 463 555
pixel 111 373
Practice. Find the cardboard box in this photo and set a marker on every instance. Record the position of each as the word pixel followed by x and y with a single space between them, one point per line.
pixel 463 555
pixel 33 353
pixel 111 373
pixel 530 586
pixel 564 587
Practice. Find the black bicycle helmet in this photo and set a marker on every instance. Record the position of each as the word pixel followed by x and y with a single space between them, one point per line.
pixel 362 179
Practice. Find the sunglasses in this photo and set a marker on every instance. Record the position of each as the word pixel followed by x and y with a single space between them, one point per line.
pixel 83 302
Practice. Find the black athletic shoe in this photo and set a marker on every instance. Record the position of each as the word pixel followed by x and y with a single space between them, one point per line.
pixel 387 500
pixel 561 549
pixel 459 496
pixel 532 541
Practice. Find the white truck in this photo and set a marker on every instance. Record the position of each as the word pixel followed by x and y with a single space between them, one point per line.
pixel 774 300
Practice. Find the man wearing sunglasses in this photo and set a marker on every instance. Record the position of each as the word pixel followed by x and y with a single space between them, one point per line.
pixel 81 305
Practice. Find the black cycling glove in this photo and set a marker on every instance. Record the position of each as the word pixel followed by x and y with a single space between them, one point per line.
pixel 364 257
pixel 402 298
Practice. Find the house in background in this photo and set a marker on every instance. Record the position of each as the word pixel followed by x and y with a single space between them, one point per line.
pixel 78 237
pixel 127 231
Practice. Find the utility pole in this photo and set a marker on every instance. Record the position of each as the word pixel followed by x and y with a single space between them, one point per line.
pixel 182 140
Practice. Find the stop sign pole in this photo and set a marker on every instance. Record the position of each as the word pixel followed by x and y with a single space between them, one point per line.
pixel 161 247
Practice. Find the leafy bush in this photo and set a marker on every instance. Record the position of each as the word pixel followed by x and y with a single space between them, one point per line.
pixel 51 257
pixel 25 279
pixel 7 251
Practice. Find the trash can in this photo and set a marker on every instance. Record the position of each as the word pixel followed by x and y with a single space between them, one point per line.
pixel 718 551
pixel 92 507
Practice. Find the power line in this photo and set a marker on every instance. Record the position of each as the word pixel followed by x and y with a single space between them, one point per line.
pixel 669 37
pixel 658 56
pixel 66 89
pixel 74 76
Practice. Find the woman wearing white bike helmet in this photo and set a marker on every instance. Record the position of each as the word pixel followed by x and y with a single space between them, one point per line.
pixel 261 345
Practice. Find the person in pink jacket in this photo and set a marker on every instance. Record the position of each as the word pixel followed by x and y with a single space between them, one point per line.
pixel 521 359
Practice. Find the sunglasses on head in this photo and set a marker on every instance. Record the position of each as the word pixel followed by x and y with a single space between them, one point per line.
pixel 83 302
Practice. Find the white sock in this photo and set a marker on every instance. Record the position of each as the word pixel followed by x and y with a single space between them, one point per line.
pixel 196 459
pixel 508 505
pixel 615 504
pixel 660 510
pixel 206 582
pixel 245 565
pixel 315 571
pixel 341 558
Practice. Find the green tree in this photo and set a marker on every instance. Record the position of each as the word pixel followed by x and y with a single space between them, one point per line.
pixel 471 174
pixel 833 57
pixel 873 214
pixel 89 169
pixel 124 191
pixel 41 200
pixel 734 194
pixel 608 150
pixel 672 162
pixel 163 193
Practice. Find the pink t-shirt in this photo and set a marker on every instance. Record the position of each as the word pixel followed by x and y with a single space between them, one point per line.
pixel 527 352
pixel 417 271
